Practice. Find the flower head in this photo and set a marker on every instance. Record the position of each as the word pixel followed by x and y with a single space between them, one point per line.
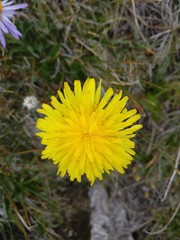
pixel 87 134
pixel 7 12
pixel 30 102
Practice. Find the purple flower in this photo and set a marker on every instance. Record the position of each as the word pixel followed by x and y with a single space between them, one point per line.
pixel 7 12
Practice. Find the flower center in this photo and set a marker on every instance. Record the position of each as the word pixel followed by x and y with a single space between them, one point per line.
pixel 0 6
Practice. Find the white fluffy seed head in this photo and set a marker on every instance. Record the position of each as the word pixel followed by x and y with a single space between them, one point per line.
pixel 30 102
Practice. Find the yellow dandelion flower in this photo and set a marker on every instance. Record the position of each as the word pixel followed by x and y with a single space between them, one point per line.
pixel 87 134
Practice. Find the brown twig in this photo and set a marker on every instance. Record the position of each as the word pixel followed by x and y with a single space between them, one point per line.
pixel 136 21
pixel 164 228
pixel 172 177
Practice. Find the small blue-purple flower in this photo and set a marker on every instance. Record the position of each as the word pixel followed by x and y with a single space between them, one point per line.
pixel 7 12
